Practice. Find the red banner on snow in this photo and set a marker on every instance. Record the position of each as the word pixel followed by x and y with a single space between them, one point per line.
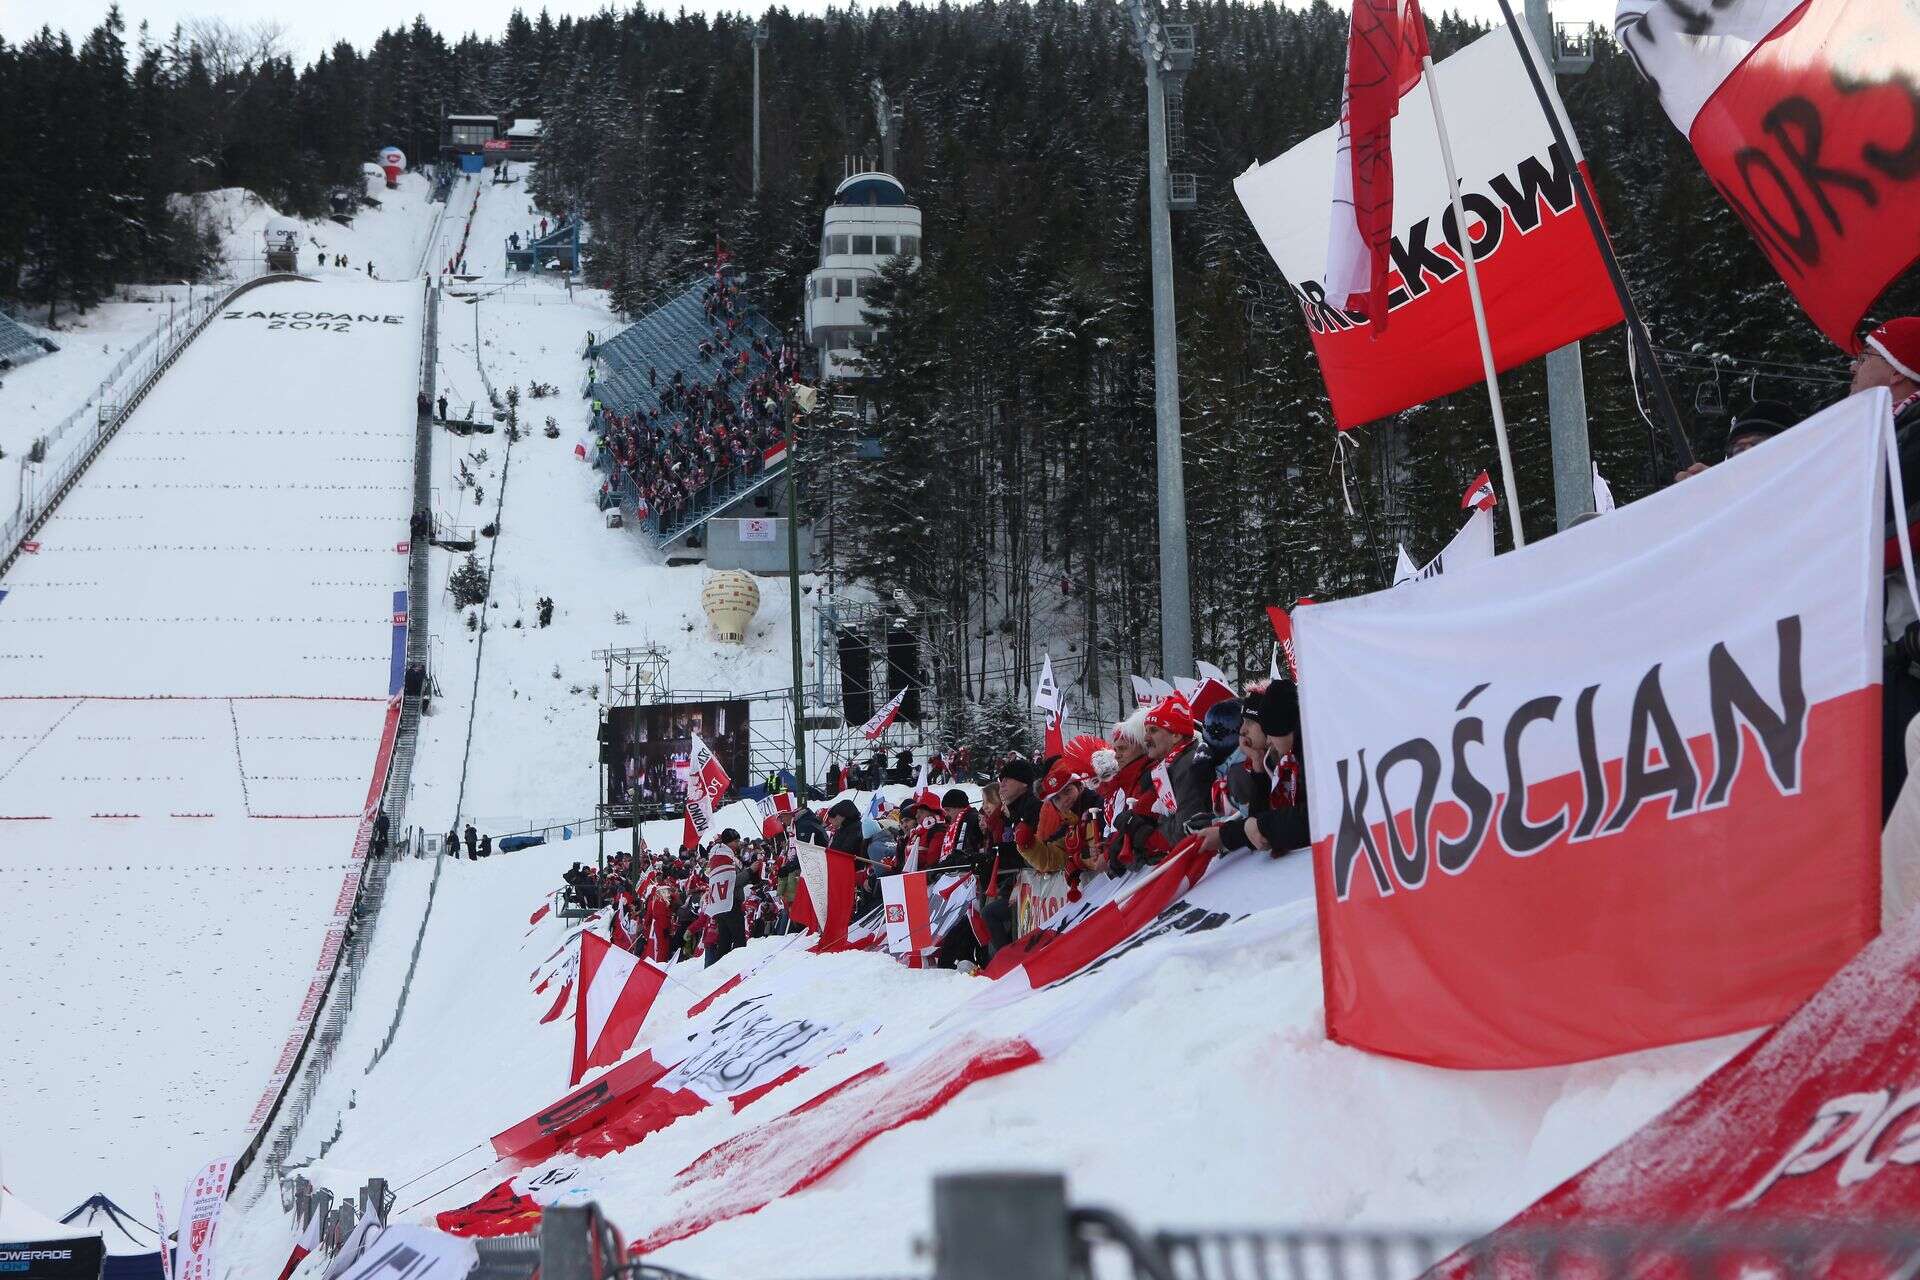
pixel 1816 1120
pixel 1618 789
pixel 1540 273
pixel 1806 118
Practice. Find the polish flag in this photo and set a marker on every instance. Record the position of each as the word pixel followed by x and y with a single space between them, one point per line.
pixel 309 1241
pixel 826 877
pixel 1056 739
pixel 1385 45
pixel 909 920
pixel 1799 111
pixel 1479 495
pixel 884 717
pixel 617 989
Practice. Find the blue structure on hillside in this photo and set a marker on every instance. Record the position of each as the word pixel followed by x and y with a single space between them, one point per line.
pixel 558 250
pixel 662 343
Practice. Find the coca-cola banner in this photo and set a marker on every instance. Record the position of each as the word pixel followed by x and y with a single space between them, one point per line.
pixel 1618 789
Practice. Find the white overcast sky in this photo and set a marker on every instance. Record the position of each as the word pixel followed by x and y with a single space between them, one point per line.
pixel 313 28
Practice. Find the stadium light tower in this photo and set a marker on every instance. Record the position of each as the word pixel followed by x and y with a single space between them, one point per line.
pixel 1167 52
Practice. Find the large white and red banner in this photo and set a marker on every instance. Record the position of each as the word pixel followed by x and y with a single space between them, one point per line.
pixel 1540 272
pixel 1618 789
pixel 1813 1122
pixel 200 1207
pixel 1806 116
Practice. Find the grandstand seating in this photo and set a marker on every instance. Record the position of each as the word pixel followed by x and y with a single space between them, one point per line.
pixel 17 346
pixel 667 340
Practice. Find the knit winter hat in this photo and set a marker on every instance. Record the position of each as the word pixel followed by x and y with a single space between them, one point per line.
pixel 1276 709
pixel 1019 771
pixel 1172 715
pixel 955 798
pixel 1898 343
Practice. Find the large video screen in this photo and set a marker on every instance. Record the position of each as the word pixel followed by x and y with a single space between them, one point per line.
pixel 650 745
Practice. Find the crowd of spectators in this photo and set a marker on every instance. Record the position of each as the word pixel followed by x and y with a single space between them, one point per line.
pixel 1232 779
pixel 712 427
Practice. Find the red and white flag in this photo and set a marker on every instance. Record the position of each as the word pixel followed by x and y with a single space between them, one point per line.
pixel 160 1226
pixel 1142 691
pixel 1540 837
pixel 1386 41
pixel 1283 634
pixel 1479 495
pixel 884 717
pixel 1541 275
pixel 309 1241
pixel 823 901
pixel 617 989
pixel 1055 739
pixel 1801 112
pixel 706 775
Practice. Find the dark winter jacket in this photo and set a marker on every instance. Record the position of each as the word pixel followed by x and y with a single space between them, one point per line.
pixel 1278 806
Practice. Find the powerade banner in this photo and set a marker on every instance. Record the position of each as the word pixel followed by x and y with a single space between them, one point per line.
pixel 1815 1121
pixel 1619 789
pixel 76 1258
pixel 1540 273
pixel 1806 116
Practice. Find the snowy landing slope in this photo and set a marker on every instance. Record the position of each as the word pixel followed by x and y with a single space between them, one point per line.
pixel 1208 1096
pixel 197 667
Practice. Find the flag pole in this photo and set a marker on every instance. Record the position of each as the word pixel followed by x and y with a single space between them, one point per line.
pixel 1640 344
pixel 1479 307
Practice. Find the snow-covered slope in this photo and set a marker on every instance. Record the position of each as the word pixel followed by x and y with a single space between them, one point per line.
pixel 197 664
pixel 390 233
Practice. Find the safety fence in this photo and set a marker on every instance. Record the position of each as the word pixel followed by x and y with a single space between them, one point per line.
pixel 81 435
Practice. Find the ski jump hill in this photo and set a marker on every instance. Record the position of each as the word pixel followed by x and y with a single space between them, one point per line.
pixel 200 647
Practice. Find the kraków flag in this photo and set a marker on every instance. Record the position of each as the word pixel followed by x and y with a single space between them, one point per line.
pixel 1540 273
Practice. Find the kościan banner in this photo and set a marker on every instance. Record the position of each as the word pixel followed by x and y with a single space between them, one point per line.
pixel 1618 789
